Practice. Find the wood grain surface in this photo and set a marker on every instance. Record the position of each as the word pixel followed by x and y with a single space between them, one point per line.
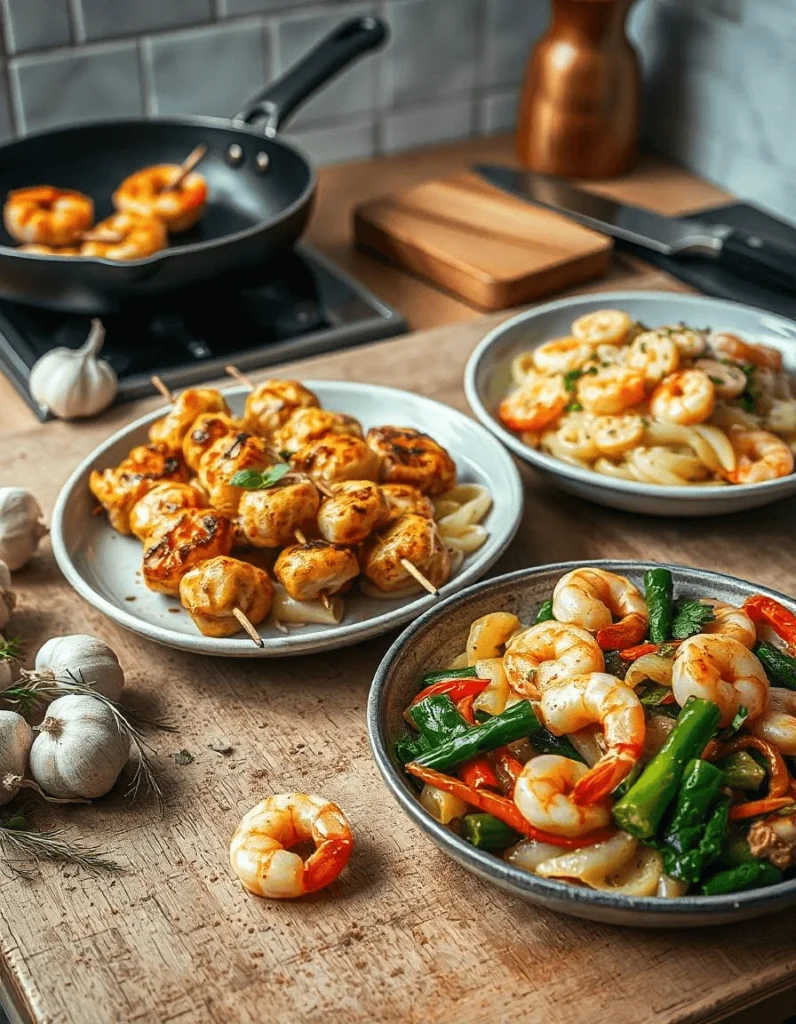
pixel 490 248
pixel 404 935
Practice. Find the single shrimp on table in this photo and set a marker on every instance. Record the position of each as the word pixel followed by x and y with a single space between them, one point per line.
pixel 760 456
pixel 48 216
pixel 720 669
pixel 549 653
pixel 260 852
pixel 603 700
pixel 591 598
pixel 543 793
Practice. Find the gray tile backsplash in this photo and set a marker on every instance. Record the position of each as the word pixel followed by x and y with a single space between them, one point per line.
pixel 720 75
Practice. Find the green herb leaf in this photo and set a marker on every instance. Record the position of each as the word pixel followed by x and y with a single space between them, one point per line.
pixel 689 618
pixel 255 480
pixel 574 407
pixel 10 649
pixel 740 717
pixel 572 376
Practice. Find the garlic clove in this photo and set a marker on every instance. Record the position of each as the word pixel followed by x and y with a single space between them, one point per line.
pixel 75 383
pixel 83 659
pixel 21 527
pixel 16 739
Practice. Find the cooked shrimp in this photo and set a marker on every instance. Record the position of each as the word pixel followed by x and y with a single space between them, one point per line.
pixel 335 458
pixel 213 591
pixel 414 538
pixel 269 518
pixel 543 795
pixel 743 352
pixel 46 215
pixel 538 402
pixel 728 380
pixel 135 237
pixel 355 510
pixel 685 397
pixel 50 250
pixel 613 435
pixel 598 699
pixel 690 343
pixel 730 621
pixel 163 500
pixel 774 838
pixel 403 498
pixel 186 407
pixel 308 570
pixel 190 537
pixel 120 488
pixel 760 456
pixel 610 390
pixel 777 724
pixel 549 653
pixel 561 355
pixel 654 354
pixel 309 423
pixel 149 193
pixel 271 404
pixel 203 433
pixel 719 669
pixel 260 855
pixel 224 458
pixel 603 327
pixel 591 598
pixel 409 457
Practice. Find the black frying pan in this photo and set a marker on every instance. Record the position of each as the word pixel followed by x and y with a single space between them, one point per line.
pixel 260 188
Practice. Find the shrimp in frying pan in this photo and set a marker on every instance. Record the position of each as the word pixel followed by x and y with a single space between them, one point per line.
pixel 151 193
pixel 47 216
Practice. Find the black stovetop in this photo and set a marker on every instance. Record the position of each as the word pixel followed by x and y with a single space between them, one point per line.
pixel 298 306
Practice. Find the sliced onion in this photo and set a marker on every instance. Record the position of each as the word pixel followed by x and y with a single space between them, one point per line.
pixel 528 854
pixel 592 864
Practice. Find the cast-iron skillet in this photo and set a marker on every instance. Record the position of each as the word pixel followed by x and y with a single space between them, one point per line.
pixel 260 188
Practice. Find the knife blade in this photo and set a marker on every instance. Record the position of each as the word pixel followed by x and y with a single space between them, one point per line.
pixel 747 255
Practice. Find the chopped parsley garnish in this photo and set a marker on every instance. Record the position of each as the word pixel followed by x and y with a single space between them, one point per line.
pixel 689 618
pixel 572 376
pixel 574 407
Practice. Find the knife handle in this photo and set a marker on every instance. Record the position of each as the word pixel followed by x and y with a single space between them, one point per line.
pixel 750 256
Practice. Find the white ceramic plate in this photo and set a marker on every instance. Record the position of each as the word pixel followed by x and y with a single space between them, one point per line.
pixel 488 379
pixel 103 566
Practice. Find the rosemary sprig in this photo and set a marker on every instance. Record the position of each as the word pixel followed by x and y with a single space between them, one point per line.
pixel 10 649
pixel 50 845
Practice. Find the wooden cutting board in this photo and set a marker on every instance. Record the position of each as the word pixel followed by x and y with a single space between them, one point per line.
pixel 483 245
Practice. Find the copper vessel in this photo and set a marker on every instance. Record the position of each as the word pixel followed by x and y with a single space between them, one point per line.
pixel 579 110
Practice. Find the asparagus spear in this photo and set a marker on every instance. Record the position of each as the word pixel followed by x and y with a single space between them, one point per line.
pixel 697 794
pixel 659 594
pixel 514 723
pixel 488 832
pixel 690 865
pixel 780 667
pixel 741 771
pixel 641 809
pixel 745 876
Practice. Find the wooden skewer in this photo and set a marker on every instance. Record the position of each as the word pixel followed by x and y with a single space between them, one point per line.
pixel 158 384
pixel 418 575
pixel 241 378
pixel 188 164
pixel 248 627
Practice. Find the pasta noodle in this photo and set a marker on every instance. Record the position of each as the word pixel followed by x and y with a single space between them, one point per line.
pixel 288 610
pixel 459 513
pixel 714 409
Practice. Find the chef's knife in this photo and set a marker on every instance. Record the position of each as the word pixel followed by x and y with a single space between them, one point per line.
pixel 747 255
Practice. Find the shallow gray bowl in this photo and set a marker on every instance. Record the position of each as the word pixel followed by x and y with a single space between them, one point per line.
pixel 434 640
pixel 488 378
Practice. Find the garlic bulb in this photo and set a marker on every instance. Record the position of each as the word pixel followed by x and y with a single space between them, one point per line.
pixel 80 750
pixel 73 383
pixel 21 527
pixel 16 737
pixel 8 598
pixel 81 659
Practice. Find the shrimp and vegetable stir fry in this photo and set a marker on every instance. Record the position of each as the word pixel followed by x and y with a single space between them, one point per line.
pixel 282 513
pixel 670 405
pixel 629 740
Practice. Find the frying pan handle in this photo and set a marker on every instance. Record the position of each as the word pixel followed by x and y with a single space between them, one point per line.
pixel 336 51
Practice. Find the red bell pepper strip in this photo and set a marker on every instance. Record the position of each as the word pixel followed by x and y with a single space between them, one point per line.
pixel 779 780
pixel 479 773
pixel 766 609
pixel 754 808
pixel 503 808
pixel 623 634
pixel 465 709
pixel 456 689
pixel 634 653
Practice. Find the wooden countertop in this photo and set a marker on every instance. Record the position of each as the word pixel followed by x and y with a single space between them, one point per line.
pixel 405 935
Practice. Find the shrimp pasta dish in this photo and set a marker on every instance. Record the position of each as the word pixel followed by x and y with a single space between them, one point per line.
pixel 277 513
pixel 673 405
pixel 629 739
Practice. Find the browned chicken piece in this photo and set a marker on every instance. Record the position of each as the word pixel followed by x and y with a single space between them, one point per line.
pixel 403 498
pixel 213 590
pixel 172 428
pixel 336 458
pixel 163 501
pixel 272 402
pixel 118 489
pixel 269 518
pixel 203 433
pixel 355 510
pixel 414 538
pixel 226 457
pixel 308 570
pixel 311 424
pixel 409 457
pixel 191 537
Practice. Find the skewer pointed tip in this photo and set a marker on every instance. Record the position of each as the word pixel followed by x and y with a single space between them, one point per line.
pixel 418 575
pixel 246 625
